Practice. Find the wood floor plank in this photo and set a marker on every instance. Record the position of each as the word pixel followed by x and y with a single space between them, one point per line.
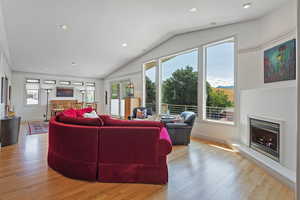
pixel 201 171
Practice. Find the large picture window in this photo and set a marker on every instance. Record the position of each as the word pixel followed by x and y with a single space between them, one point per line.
pixel 171 86
pixel 171 83
pixel 219 81
pixel 179 75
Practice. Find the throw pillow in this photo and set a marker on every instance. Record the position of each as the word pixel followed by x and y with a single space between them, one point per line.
pixel 141 114
pixel 81 112
pixel 70 112
pixel 92 114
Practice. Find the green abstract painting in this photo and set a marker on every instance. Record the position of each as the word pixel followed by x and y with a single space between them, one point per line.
pixel 280 62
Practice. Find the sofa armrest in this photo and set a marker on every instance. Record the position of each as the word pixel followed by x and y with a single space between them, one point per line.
pixel 177 125
pixel 66 139
pixel 165 143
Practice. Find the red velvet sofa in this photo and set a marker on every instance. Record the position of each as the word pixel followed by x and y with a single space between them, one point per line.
pixel 111 151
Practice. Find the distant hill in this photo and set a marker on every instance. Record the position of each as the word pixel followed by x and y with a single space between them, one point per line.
pixel 228 90
pixel 230 86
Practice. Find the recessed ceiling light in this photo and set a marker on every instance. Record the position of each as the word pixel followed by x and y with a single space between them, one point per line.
pixel 124 45
pixel 247 5
pixel 63 26
pixel 73 63
pixel 193 10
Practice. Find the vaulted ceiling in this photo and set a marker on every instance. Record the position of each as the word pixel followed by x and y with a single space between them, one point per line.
pixel 96 30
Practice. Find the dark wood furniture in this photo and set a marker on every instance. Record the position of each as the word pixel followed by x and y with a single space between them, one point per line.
pixel 57 106
pixel 130 104
pixel 9 130
pixel 61 105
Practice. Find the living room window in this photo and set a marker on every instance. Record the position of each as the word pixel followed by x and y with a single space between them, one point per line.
pixel 179 78
pixel 90 94
pixel 32 87
pixel 170 84
pixel 150 76
pixel 219 81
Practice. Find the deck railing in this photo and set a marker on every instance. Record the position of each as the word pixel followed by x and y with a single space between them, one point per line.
pixel 212 113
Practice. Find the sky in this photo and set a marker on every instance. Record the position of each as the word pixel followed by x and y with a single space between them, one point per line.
pixel 220 65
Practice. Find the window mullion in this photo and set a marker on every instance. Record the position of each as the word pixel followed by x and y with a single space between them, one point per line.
pixel 158 87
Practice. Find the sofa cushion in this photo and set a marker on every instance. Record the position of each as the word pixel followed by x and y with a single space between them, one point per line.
pixel 108 121
pixel 79 120
pixel 80 112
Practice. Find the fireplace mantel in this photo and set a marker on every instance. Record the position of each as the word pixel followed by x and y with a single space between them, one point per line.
pixel 267 118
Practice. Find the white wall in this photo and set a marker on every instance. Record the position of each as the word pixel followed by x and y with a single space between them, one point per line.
pixel 278 103
pixel 252 38
pixel 36 112
pixel 273 100
pixel 298 113
pixel 4 56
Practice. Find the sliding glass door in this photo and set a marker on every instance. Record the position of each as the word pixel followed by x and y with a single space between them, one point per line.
pixel 119 90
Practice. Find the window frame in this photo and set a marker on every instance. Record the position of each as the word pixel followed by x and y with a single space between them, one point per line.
pixel 201 79
pixel 77 83
pixel 64 82
pixel 156 83
pixel 158 77
pixel 203 57
pixel 48 82
pixel 94 94
pixel 91 84
pixel 25 92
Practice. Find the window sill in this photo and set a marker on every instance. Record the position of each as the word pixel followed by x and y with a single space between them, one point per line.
pixel 232 124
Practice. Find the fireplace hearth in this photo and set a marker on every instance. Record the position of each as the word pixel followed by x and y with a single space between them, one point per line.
pixel 264 137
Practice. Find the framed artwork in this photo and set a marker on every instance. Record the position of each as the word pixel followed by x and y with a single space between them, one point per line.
pixel 64 92
pixel 280 62
pixel 4 88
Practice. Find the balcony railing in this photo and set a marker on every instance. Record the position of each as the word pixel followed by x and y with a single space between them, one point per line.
pixel 174 109
pixel 218 113
pixel 212 113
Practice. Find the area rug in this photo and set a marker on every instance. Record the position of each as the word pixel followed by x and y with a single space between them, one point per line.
pixel 35 128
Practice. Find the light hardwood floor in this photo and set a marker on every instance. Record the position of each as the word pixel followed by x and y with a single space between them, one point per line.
pixel 201 171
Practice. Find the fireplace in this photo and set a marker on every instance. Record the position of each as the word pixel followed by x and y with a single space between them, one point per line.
pixel 265 137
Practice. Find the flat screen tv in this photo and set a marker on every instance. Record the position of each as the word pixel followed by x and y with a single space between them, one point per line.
pixel 64 92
